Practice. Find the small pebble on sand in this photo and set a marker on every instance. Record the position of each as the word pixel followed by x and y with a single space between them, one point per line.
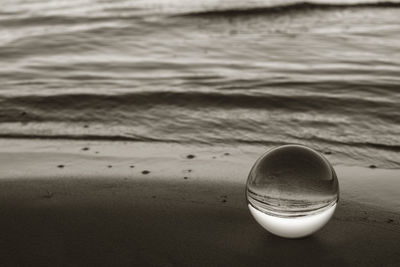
pixel 190 156
pixel 372 166
pixel 60 166
pixel 145 172
pixel 85 149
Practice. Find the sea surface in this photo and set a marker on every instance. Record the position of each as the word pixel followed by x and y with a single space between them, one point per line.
pixel 216 72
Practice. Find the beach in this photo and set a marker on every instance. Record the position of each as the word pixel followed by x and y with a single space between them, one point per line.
pixel 86 203
pixel 128 129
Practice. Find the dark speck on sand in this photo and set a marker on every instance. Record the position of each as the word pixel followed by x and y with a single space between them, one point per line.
pixel 132 166
pixel 389 220
pixel 227 154
pixel 185 177
pixel 372 166
pixel 327 152
pixel 85 126
pixel 145 172
pixel 223 201
pixel 190 156
pixel 48 194
pixel 109 166
pixel 85 149
pixel 60 166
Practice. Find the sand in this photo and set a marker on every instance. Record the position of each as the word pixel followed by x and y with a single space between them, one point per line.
pixel 82 203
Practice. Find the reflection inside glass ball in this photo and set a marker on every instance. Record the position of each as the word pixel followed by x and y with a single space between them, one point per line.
pixel 292 191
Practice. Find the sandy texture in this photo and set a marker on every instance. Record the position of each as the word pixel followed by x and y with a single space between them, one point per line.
pixel 90 204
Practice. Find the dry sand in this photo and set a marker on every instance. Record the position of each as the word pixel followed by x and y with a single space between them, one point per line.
pixel 79 203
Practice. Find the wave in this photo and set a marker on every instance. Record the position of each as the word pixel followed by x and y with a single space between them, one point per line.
pixel 142 100
pixel 44 20
pixel 136 138
pixel 378 146
pixel 83 137
pixel 192 99
pixel 296 7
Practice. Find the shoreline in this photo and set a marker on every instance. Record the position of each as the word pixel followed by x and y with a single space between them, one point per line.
pixel 188 210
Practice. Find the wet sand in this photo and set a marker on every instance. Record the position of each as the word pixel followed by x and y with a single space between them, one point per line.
pixel 87 203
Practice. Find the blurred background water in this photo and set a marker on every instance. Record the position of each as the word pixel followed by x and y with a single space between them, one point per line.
pixel 322 73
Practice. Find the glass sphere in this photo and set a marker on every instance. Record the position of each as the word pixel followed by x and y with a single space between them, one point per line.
pixel 292 191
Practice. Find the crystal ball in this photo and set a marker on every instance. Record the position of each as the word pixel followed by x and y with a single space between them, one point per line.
pixel 292 191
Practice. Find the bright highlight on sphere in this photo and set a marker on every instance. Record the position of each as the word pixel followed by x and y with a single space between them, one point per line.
pixel 292 191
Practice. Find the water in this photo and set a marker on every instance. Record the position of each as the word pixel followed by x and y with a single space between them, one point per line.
pixel 292 186
pixel 214 72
